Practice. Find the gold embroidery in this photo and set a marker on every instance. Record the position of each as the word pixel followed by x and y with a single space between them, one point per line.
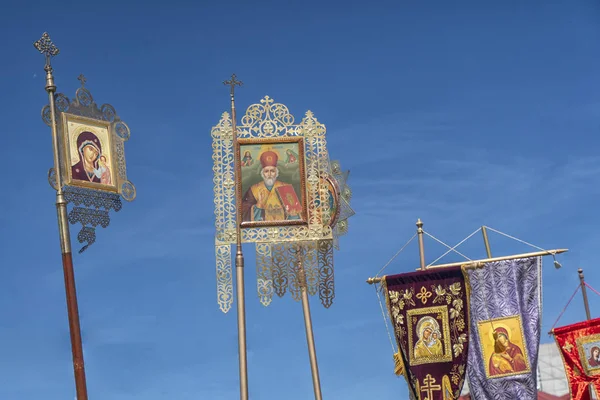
pixel 451 295
pixel 429 387
pixel 397 302
pixel 424 295
pixel 568 347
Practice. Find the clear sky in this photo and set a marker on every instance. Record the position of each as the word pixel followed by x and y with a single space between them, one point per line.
pixel 458 113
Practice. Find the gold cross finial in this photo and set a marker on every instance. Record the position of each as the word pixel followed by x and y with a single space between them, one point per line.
pixel 232 82
pixel 81 78
pixel 45 46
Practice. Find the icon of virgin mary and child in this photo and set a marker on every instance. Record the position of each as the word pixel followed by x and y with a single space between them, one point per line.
pixel 429 343
pixel 92 165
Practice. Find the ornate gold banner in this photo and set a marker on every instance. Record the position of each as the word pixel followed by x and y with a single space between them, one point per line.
pixel 292 199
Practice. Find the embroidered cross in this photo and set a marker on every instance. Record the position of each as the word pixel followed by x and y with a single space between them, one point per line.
pixel 424 295
pixel 568 347
pixel 429 387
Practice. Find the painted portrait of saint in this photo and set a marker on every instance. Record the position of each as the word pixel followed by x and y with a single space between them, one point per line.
pixel 291 157
pixel 429 343
pixel 247 160
pixel 594 359
pixel 507 358
pixel 92 165
pixel 266 196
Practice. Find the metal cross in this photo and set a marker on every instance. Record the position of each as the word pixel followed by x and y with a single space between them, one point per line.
pixel 45 46
pixel 82 79
pixel 232 82
pixel 429 386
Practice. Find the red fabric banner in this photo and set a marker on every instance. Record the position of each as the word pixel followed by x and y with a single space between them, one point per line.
pixel 579 346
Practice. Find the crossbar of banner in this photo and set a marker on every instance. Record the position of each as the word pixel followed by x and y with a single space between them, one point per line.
pixel 479 263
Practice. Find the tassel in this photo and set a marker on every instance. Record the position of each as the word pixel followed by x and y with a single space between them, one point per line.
pixel 398 364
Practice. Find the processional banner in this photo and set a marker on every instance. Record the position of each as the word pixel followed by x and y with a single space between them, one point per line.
pixel 430 314
pixel 294 202
pixel 505 305
pixel 579 346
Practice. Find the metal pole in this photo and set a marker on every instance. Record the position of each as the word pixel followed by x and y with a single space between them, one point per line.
pixel 486 242
pixel 239 261
pixel 421 245
pixel 310 339
pixel 46 47
pixel 584 294
pixel 476 263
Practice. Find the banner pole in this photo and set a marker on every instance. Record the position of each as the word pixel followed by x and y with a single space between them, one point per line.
pixel 584 294
pixel 486 241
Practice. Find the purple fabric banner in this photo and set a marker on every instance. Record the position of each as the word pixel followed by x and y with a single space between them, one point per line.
pixel 505 299
pixel 430 314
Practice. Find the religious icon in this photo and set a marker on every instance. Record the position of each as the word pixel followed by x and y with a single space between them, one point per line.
pixel 291 157
pixel 247 160
pixel 429 344
pixel 503 347
pixel 89 153
pixel 589 353
pixel 273 189
pixel 429 326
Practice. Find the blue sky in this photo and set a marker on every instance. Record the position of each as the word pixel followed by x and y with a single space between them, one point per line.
pixel 460 114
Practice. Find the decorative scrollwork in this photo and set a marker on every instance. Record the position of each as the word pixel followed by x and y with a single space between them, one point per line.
pixel 279 271
pixel 46 115
pixel 122 130
pixel 224 277
pixel 52 179
pixel 62 102
pixel 295 273
pixel 326 281
pixel 128 191
pixel 264 280
pixel 266 119
pixel 311 267
pixel 89 216
pixel 87 235
pixel 91 209
pixel 84 97
pixel 108 112
pixel 92 198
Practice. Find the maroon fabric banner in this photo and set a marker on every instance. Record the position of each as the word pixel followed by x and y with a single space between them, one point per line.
pixel 579 346
pixel 430 314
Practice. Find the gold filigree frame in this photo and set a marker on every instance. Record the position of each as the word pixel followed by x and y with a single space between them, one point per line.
pixel 581 342
pixel 501 322
pixel 276 244
pixel 281 140
pixel 84 109
pixel 442 312
pixel 269 120
pixel 90 124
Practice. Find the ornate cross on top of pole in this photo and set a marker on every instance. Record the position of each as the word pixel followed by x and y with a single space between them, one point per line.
pixel 82 79
pixel 45 46
pixel 232 82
